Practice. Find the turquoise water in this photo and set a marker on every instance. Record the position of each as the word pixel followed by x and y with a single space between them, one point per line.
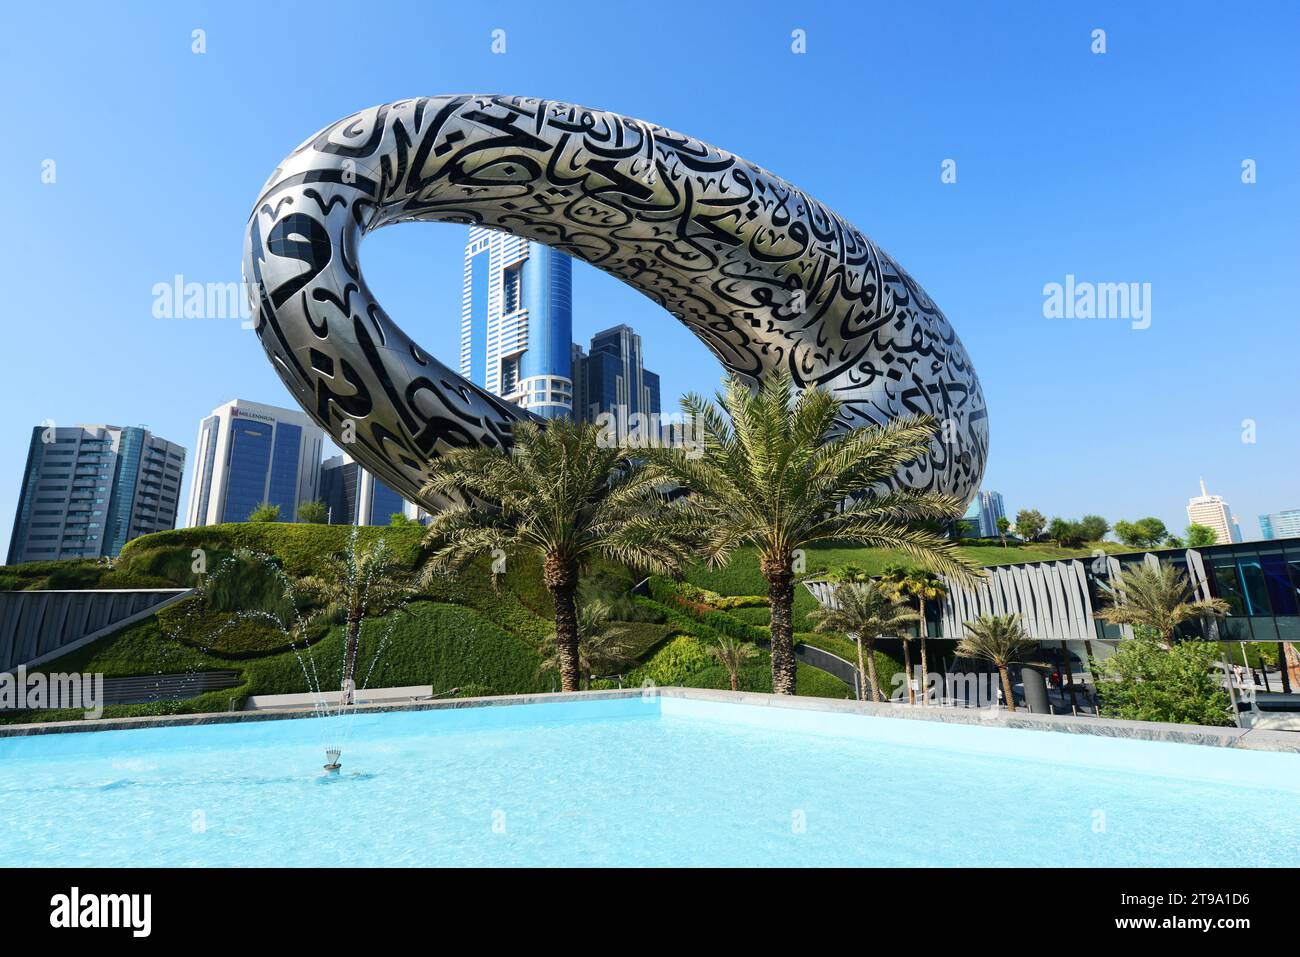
pixel 638 782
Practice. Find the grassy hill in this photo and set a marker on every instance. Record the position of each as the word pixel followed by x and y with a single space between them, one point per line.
pixel 475 633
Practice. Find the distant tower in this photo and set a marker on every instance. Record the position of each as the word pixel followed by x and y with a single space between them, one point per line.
pixel 1213 512
pixel 89 489
pixel 354 496
pixel 614 376
pixel 1284 524
pixel 991 509
pixel 516 321
pixel 249 453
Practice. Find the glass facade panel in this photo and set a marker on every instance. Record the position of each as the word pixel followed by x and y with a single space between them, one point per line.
pixel 1256 589
pixel 384 502
pixel 250 454
pixel 1225 583
pixel 1281 594
pixel 283 487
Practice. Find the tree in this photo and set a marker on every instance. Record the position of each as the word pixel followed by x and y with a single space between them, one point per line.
pixel 313 513
pixel 1094 528
pixel 864 611
pixel 564 494
pixel 849 573
pixel 1144 533
pixel 1145 681
pixel 1065 533
pixel 732 655
pixel 360 583
pixel 999 639
pixel 1158 597
pixel 1200 536
pixel 1004 526
pixel 781 475
pixel 922 585
pixel 265 512
pixel 401 520
pixel 1030 523
pixel 602 644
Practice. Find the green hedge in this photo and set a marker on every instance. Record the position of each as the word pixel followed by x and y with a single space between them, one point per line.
pixel 446 646
pixel 673 663
pixel 469 650
pixel 757 676
pixel 299 547
pixel 77 574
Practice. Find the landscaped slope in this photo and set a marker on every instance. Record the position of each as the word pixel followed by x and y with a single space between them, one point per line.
pixel 473 633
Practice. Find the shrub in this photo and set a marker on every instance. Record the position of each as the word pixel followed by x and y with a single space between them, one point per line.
pixel 1143 681
pixel 313 513
pixel 672 664
pixel 265 512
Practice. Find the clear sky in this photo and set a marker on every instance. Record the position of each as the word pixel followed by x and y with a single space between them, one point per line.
pixel 1117 167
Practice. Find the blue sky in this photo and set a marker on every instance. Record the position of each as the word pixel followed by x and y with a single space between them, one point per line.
pixel 1115 167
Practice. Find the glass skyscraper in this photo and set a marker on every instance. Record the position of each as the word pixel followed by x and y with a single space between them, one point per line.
pixel 249 453
pixel 90 489
pixel 354 496
pixel 613 377
pixel 1284 524
pixel 516 326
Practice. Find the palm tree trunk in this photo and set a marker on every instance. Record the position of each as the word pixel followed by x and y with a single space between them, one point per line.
pixel 561 582
pixel 780 596
pixel 1006 687
pixel 735 681
pixel 907 665
pixel 862 673
pixel 925 661
pixel 871 669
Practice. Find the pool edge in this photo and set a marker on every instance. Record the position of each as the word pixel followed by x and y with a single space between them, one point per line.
pixel 1217 737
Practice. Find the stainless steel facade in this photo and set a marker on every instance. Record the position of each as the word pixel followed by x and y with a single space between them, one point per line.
pixel 764 274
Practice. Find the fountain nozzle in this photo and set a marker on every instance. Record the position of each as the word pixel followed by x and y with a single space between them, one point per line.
pixel 332 760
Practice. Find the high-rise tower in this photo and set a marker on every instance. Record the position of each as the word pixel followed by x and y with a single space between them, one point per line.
pixel 516 327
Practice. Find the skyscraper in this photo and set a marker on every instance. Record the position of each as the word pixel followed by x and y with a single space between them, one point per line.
pixel 90 489
pixel 249 453
pixel 516 327
pixel 1284 524
pixel 614 377
pixel 991 510
pixel 1213 512
pixel 354 496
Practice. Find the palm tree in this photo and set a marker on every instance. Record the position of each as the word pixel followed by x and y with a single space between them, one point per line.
pixel 922 585
pixel 864 612
pixel 732 655
pixel 564 494
pixel 774 474
pixel 354 585
pixel 602 643
pixel 1159 597
pixel 999 639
